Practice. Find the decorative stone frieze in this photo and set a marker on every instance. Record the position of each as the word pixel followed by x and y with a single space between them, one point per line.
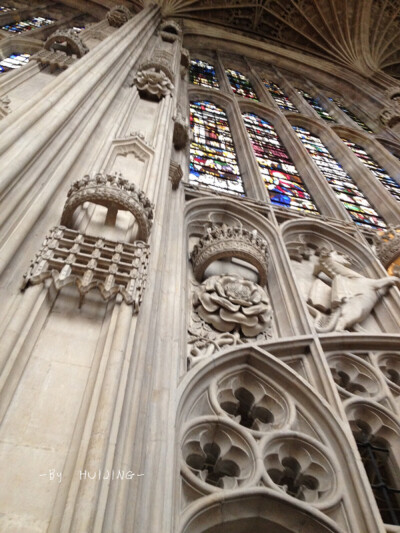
pixel 56 59
pixel 72 258
pixel 68 41
pixel 181 130
pixel 387 245
pixel 111 191
pixel 231 302
pixel 175 174
pixel 118 15
pixel 222 241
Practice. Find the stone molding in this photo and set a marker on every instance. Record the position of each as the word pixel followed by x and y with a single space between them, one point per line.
pixel 110 191
pixel 387 245
pixel 118 15
pixel 222 241
pixel 68 41
pixel 69 257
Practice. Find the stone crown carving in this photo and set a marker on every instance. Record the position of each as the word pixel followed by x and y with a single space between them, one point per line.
pixel 222 241
pixel 387 245
pixel 111 191
pixel 161 61
pixel 66 41
pixel 171 27
pixel 118 15
pixel 69 257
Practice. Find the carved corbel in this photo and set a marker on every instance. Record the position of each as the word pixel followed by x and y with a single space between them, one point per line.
pixel 181 130
pixel 390 115
pixel 175 174
pixel 4 106
pixel 153 85
pixel 170 31
pixel 118 16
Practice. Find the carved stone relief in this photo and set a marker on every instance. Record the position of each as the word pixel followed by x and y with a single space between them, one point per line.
pixel 175 174
pixel 390 115
pixel 68 257
pixel 118 15
pixel 228 309
pixel 338 297
pixel 170 31
pixel 152 84
pixel 56 59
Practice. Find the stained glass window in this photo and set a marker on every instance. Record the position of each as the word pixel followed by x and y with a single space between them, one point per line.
pixel 347 191
pixel 285 186
pixel 389 183
pixel 315 105
pixel 202 73
pixel 5 9
pixel 351 114
pixel 13 61
pixel 213 160
pixel 280 97
pixel 240 84
pixel 26 25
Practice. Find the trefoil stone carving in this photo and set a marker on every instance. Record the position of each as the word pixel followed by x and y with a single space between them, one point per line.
pixel 118 15
pixel 111 191
pixel 348 299
pixel 69 257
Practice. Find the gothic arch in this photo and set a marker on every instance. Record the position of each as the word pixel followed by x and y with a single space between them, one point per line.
pixel 259 509
pixel 197 403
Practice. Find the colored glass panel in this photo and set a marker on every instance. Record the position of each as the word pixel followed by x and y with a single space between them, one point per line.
pixel 280 97
pixel 202 73
pixel 347 191
pixel 240 84
pixel 389 183
pixel 313 102
pixel 213 160
pixel 13 61
pixel 5 9
pixel 27 25
pixel 283 182
pixel 351 115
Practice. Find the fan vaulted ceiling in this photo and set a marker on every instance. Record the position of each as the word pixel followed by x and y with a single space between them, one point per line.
pixel 361 34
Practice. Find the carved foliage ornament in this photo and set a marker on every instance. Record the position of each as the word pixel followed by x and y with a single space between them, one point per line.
pixel 222 241
pixel 110 191
pixel 118 15
pixel 153 85
pixel 231 302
